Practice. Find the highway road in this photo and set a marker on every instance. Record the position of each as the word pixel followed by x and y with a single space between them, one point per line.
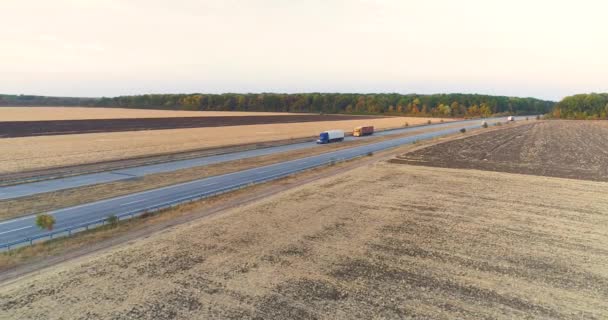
pixel 28 189
pixel 22 228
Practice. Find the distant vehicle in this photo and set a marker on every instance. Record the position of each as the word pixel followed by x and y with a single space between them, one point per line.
pixel 330 136
pixel 511 118
pixel 363 131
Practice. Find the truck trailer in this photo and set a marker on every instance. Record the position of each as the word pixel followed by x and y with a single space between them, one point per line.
pixel 330 136
pixel 363 131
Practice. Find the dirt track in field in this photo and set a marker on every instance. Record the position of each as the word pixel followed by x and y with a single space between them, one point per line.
pixel 567 149
pixel 12 129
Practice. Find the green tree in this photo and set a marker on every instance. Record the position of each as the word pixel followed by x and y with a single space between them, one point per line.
pixel 582 106
pixel 45 221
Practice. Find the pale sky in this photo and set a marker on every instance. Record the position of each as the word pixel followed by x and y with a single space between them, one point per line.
pixel 541 48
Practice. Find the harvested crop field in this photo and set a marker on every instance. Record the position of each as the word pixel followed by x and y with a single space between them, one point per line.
pixel 415 241
pixel 12 129
pixel 32 153
pixel 567 149
pixel 81 113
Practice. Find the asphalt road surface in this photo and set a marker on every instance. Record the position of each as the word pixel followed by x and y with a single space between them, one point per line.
pixel 22 228
pixel 28 189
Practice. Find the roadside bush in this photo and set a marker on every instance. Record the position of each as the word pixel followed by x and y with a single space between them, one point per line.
pixel 428 122
pixel 112 220
pixel 526 118
pixel 463 130
pixel 498 124
pixel 485 125
pixel 369 154
pixel 441 120
pixel 145 215
pixel 538 117
pixel 45 221
pixel 406 124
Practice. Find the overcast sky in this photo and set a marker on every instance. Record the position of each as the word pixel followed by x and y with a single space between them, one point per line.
pixel 540 48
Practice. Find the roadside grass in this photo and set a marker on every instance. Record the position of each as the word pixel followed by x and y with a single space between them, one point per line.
pixel 49 248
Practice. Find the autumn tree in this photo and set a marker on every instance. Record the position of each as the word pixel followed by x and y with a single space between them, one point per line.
pixel 485 110
pixel 593 105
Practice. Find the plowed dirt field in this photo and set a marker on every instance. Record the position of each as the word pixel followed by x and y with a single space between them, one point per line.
pixel 567 149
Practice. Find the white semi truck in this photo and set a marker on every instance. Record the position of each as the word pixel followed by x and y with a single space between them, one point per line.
pixel 330 136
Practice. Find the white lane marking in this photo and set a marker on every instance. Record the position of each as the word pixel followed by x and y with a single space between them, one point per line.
pixel 15 230
pixel 136 201
pixel 16 219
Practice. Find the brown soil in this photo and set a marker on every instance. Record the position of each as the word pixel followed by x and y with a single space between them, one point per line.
pixel 80 113
pixel 567 149
pixel 12 129
pixel 383 241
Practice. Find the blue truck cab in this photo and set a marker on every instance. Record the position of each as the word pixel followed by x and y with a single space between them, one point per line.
pixel 330 136
pixel 323 138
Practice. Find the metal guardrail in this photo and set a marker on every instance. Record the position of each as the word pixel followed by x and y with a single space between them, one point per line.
pixel 69 231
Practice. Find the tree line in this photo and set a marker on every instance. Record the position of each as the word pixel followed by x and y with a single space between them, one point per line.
pixel 445 105
pixel 29 100
pixel 582 106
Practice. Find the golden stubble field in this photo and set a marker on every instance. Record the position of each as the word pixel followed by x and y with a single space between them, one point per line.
pixel 80 113
pixel 30 153
pixel 382 241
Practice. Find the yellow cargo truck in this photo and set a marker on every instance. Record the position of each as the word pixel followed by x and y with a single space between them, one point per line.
pixel 363 131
